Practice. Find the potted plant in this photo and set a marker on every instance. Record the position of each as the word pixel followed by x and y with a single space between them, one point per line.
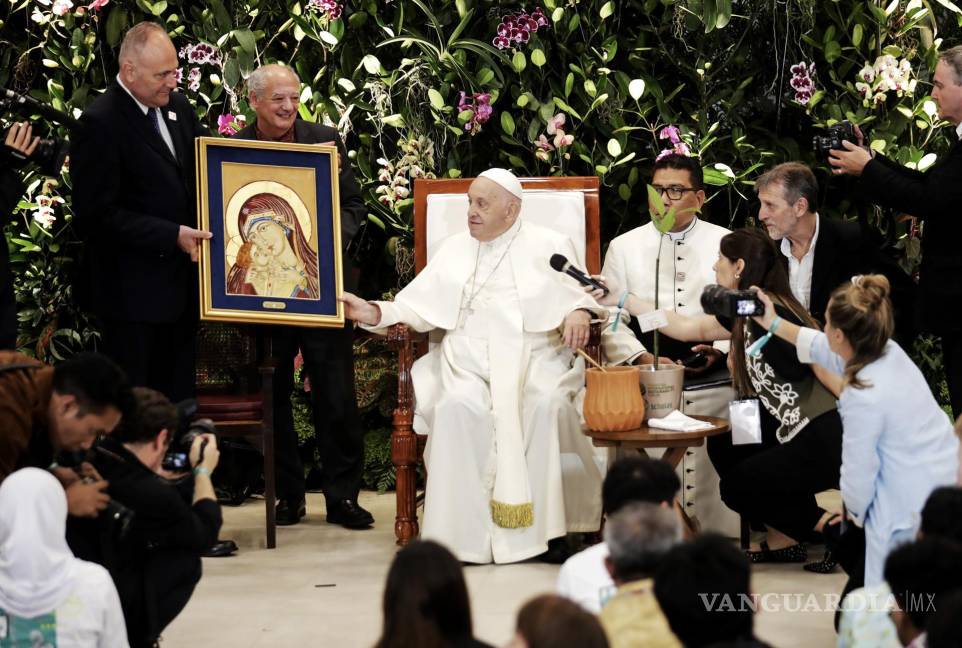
pixel 661 384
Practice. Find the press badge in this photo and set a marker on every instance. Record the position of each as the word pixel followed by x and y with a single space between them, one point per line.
pixel 653 320
pixel 746 421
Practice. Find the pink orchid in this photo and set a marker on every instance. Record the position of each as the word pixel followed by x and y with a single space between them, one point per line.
pixel 670 133
pixel 560 139
pixel 664 153
pixel 97 4
pixel 555 123
pixel 229 124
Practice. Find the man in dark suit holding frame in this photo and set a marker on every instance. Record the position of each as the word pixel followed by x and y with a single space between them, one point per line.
pixel 934 197
pixel 274 93
pixel 132 165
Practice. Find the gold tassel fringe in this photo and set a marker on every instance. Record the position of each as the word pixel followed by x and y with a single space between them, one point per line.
pixel 512 516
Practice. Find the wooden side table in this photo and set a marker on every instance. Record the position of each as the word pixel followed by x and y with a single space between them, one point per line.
pixel 674 443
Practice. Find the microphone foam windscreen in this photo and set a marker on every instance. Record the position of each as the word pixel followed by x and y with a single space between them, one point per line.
pixel 558 262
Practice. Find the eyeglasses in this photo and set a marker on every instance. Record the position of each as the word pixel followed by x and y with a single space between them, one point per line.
pixel 674 192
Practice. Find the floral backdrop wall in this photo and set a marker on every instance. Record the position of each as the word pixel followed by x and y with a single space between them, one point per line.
pixel 447 88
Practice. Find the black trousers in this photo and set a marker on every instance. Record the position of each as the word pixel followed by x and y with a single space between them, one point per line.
pixel 952 362
pixel 329 361
pixel 775 483
pixel 159 356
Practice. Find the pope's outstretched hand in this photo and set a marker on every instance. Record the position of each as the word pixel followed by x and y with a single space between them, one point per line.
pixel 360 310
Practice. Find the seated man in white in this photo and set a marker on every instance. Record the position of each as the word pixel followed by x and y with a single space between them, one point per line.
pixel 688 253
pixel 508 465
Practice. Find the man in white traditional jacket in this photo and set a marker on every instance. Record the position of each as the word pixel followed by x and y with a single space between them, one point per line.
pixel 509 467
pixel 688 252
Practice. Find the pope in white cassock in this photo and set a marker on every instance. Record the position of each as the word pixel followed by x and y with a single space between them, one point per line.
pixel 508 465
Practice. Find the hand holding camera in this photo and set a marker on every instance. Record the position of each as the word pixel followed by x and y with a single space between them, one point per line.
pixel 767 316
pixel 87 496
pixel 204 452
pixel 845 147
pixel 21 141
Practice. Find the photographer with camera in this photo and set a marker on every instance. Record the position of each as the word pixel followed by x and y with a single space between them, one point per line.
pixel 773 481
pixel 899 445
pixel 154 557
pixel 19 144
pixel 933 197
pixel 49 413
pixel 22 146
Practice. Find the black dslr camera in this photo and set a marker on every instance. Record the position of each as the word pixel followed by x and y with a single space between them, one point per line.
pixel 51 152
pixel 177 458
pixel 840 132
pixel 118 515
pixel 718 300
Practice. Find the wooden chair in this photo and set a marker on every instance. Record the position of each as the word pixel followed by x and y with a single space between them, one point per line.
pixel 235 390
pixel 577 216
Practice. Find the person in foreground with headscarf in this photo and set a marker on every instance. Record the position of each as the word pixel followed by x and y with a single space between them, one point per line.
pixel 509 467
pixel 48 597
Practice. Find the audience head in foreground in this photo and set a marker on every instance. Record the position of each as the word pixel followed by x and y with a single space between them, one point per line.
pixel 638 536
pixel 90 396
pixel 584 577
pixel 942 515
pixel 703 588
pixel 549 620
pixel 76 601
pixel 638 479
pixel 921 575
pixel 426 600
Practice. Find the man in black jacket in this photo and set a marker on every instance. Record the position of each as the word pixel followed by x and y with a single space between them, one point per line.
pixel 934 197
pixel 19 144
pixel 822 253
pixel 155 562
pixel 274 93
pixel 132 164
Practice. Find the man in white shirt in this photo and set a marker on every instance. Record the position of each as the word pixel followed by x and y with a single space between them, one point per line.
pixel 688 254
pixel 584 578
pixel 823 253
pixel 509 467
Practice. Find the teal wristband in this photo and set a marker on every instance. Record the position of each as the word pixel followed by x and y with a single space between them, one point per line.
pixel 201 470
pixel 621 305
pixel 755 350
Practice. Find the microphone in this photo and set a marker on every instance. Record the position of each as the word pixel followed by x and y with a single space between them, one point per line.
pixel 560 263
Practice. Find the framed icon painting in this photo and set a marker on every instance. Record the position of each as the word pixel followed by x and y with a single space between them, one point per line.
pixel 275 253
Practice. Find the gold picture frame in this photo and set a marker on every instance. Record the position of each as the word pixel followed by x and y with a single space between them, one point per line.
pixel 273 210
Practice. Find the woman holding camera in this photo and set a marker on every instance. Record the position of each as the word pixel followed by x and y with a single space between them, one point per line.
pixel 899 444
pixel 772 483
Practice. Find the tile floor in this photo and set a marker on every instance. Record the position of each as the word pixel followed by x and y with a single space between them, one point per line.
pixel 322 586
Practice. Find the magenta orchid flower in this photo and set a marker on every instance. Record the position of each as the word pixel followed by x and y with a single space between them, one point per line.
pixel 670 132
pixel 230 124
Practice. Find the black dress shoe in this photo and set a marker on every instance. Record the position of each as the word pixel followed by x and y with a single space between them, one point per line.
pixel 557 552
pixel 290 511
pixel 221 548
pixel 349 514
